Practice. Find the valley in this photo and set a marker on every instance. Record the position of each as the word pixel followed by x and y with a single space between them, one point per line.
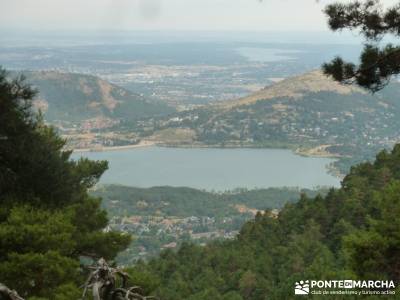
pixel 304 113
pixel 199 150
pixel 236 117
pixel 212 93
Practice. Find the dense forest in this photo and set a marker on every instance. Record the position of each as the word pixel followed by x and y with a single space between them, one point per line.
pixel 124 201
pixel 48 221
pixel 352 232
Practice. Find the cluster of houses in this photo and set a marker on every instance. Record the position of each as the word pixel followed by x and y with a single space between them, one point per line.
pixel 156 228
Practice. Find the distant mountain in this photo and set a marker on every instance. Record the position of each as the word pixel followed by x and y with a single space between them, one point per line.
pixel 298 87
pixel 310 112
pixel 75 97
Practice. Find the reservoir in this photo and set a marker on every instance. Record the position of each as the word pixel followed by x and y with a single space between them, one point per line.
pixel 213 169
pixel 268 54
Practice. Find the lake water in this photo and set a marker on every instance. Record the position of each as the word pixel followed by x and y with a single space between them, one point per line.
pixel 267 54
pixel 213 169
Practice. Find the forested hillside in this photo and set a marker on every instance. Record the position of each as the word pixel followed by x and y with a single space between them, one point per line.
pixel 185 202
pixel 165 217
pixel 351 233
pixel 311 113
pixel 48 221
pixel 75 97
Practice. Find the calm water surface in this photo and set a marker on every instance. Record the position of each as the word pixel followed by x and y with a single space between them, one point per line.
pixel 213 169
pixel 267 54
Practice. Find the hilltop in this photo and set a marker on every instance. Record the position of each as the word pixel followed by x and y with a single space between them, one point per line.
pixel 75 97
pixel 310 113
pixel 298 87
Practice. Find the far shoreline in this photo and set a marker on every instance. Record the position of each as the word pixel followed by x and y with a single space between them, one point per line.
pixel 146 143
pixel 312 152
pixel 143 144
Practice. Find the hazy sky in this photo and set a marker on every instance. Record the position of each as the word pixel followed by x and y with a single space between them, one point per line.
pixel 269 15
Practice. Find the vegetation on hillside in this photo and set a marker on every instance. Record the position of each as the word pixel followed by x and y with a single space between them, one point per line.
pixel 48 221
pixel 71 97
pixel 352 232
pixel 166 217
pixel 185 202
pixel 302 112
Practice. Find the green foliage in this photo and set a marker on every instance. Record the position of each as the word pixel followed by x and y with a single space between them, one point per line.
pixel 185 202
pixel 47 230
pixel 352 232
pixel 143 212
pixel 75 97
pixel 376 65
pixel 47 219
pixel 38 273
pixel 148 282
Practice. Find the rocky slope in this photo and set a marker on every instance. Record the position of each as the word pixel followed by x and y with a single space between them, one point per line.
pixel 75 97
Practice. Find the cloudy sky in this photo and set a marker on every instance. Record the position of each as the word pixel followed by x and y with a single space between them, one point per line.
pixel 269 15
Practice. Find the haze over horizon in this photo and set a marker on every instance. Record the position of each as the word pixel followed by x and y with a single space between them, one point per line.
pixel 207 15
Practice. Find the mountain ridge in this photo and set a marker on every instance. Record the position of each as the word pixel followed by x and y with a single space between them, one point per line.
pixel 294 87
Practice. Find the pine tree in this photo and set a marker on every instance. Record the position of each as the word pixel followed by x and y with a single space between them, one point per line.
pixel 377 64
pixel 48 221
